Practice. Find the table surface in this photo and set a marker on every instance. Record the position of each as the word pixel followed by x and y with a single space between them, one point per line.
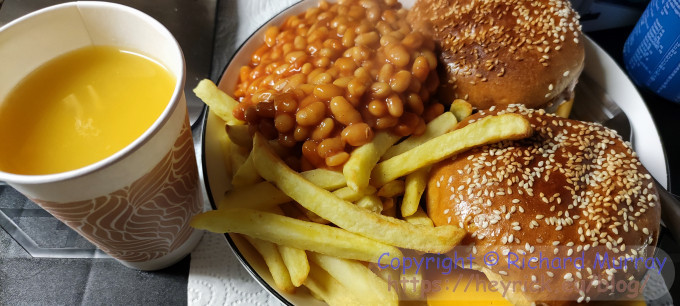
pixel 31 281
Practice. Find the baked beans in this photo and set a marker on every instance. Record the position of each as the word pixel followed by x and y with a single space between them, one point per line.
pixel 325 80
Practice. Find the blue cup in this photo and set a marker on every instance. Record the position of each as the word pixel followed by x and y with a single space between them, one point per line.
pixel 652 51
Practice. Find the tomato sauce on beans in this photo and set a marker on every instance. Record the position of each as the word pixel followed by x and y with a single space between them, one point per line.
pixel 326 80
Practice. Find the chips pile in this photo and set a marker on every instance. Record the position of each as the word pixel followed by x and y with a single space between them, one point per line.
pixel 324 229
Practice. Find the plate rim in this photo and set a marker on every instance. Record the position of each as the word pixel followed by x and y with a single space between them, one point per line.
pixel 206 182
pixel 598 50
pixel 204 122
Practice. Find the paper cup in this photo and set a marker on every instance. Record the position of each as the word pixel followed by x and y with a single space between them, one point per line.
pixel 136 204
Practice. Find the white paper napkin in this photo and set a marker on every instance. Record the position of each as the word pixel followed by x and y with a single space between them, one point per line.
pixel 216 277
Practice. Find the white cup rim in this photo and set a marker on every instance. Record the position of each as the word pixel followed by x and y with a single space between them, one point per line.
pixel 139 141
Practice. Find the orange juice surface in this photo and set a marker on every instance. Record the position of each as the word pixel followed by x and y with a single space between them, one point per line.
pixel 80 108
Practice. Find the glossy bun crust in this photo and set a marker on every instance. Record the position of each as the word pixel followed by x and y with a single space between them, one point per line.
pixel 572 187
pixel 505 51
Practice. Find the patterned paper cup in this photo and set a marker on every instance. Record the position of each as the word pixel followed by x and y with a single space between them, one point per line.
pixel 136 204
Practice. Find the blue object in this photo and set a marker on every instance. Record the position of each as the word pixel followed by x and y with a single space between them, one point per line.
pixel 652 51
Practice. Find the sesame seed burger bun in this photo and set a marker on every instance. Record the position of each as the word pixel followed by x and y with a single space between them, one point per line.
pixel 505 51
pixel 573 189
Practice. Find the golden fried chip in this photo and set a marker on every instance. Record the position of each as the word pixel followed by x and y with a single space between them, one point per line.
pixel 295 233
pixel 347 215
pixel 420 218
pixel 246 175
pixel 239 135
pixel 415 186
pixel 461 109
pixel 324 286
pixel 362 282
pixel 357 169
pixel 486 130
pixel 272 258
pixel 296 262
pixel 438 126
pixel 264 195
pixel 351 195
pixel 220 103
pixel 371 203
pixel 391 189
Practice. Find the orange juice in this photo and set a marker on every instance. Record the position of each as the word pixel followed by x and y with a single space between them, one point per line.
pixel 80 108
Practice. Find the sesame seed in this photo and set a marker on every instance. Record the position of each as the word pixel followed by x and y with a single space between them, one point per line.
pixel 600 213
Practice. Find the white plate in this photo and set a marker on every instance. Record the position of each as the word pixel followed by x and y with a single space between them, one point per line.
pixel 598 65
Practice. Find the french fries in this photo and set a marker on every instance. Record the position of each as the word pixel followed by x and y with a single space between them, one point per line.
pixel 295 259
pixel 239 135
pixel 296 262
pixel 327 288
pixel 371 203
pixel 461 109
pixel 348 216
pixel 358 279
pixel 225 146
pixel 415 186
pixel 295 233
pixel 389 275
pixel 413 277
pixel 389 208
pixel 565 109
pixel 220 103
pixel 274 262
pixel 324 178
pixel 438 126
pixel 264 195
pixel 357 169
pixel 285 217
pixel 391 189
pixel 420 218
pixel 311 216
pixel 261 196
pixel 246 174
pixel 351 195
pixel 484 131
pixel 238 156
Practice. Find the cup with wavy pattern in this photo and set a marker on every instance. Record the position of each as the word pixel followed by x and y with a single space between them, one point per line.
pixel 136 203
